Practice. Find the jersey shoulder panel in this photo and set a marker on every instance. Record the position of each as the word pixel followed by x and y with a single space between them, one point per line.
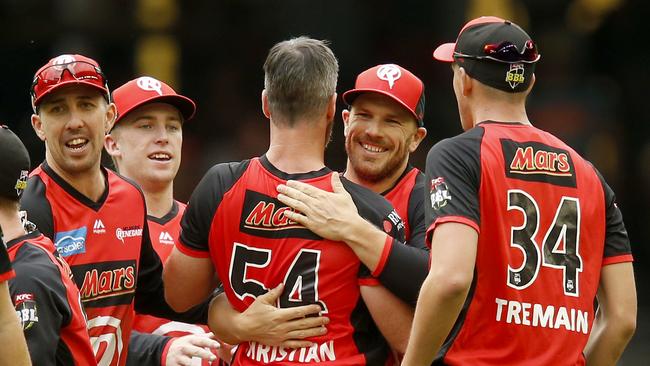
pixel 36 205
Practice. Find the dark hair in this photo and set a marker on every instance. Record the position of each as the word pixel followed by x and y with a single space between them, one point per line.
pixel 300 77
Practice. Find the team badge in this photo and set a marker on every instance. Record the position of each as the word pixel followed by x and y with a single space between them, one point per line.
pixel 389 73
pixel 149 84
pixel 439 193
pixel 21 183
pixel 26 310
pixel 515 75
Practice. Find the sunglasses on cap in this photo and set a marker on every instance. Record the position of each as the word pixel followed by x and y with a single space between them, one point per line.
pixel 78 70
pixel 506 52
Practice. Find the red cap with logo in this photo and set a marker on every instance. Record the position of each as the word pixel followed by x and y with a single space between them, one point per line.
pixel 67 70
pixel 394 82
pixel 146 89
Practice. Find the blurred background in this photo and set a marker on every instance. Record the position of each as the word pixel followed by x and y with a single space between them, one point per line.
pixel 590 91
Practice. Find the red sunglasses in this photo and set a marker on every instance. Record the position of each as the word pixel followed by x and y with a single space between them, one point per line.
pixel 506 52
pixel 79 70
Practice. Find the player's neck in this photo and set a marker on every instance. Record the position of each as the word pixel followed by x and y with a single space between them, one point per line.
pixel 10 223
pixel 91 182
pixel 159 199
pixel 379 186
pixel 299 149
pixel 500 111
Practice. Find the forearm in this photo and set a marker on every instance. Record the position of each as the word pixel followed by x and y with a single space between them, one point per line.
pixel 223 321
pixel 13 348
pixel 606 342
pixel 366 240
pixel 392 316
pixel 404 271
pixel 437 310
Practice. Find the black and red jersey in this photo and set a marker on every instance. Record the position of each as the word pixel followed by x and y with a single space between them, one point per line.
pixel 235 219
pixel 6 272
pixel 107 246
pixel 47 304
pixel 547 224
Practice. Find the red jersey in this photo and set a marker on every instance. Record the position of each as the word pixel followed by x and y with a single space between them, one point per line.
pixel 107 246
pixel 235 219
pixel 164 233
pixel 47 303
pixel 547 224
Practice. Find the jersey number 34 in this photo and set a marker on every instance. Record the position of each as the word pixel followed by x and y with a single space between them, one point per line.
pixel 565 228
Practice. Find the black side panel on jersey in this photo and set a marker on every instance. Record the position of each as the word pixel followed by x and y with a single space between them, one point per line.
pixel 416 214
pixel 5 265
pixel 367 336
pixel 39 211
pixel 450 163
pixel 146 349
pixel 41 299
pixel 616 239
pixel 196 222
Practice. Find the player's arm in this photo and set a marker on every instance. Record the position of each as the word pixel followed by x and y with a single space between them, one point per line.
pixel 453 255
pixel 615 320
pixel 333 215
pixel 154 350
pixel 13 349
pixel 392 316
pixel 41 300
pixel 188 280
pixel 264 323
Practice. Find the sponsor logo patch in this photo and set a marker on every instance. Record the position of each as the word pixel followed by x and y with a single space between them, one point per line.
pixel 26 310
pixel 537 162
pixel 263 216
pixel 71 242
pixel 21 183
pixel 128 232
pixel 106 283
pixel 515 75
pixel 439 193
pixel 166 238
pixel 98 227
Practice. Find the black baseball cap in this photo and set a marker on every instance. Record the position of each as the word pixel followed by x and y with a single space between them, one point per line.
pixel 496 52
pixel 14 165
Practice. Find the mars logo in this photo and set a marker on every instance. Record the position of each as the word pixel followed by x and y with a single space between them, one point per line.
pixel 389 73
pixel 147 83
pixel 26 310
pixel 106 282
pixel 263 215
pixel 439 193
pixel 534 161
pixel 515 75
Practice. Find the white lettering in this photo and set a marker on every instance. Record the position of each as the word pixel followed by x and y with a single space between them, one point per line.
pixel 543 316
pixel 525 310
pixel 519 313
pixel 500 303
pixel 513 312
pixel 315 353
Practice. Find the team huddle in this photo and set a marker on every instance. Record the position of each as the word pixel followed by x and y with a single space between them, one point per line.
pixel 508 249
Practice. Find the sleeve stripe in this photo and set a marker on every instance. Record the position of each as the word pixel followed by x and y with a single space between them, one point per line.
pixel 369 282
pixel 194 253
pixel 618 259
pixel 445 219
pixel 388 245
pixel 7 275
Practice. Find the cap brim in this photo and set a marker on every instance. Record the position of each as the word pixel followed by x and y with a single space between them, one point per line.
pixel 185 105
pixel 350 95
pixel 445 52
pixel 66 84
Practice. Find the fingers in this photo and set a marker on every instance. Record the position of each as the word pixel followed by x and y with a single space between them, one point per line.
pixel 295 344
pixel 294 199
pixel 305 188
pixel 183 349
pixel 306 333
pixel 337 185
pixel 272 296
pixel 294 216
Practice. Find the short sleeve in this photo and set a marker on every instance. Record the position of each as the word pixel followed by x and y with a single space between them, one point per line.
pixel 617 242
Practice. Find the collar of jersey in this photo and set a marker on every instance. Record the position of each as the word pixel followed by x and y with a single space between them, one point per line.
pixel 76 194
pixel 266 164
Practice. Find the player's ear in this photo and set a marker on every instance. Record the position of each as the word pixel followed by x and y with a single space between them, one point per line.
pixel 419 135
pixel 466 82
pixel 111 115
pixel 111 146
pixel 265 105
pixel 345 114
pixel 37 124
pixel 331 108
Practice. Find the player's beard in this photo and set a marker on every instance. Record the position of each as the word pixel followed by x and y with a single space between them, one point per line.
pixel 373 172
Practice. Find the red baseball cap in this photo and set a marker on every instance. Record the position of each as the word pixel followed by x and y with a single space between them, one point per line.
pixel 146 89
pixel 394 82
pixel 81 70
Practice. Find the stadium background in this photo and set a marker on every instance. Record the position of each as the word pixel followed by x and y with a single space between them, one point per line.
pixel 590 87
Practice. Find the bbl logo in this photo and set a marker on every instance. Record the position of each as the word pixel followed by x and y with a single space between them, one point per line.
pixel 26 310
pixel 439 193
pixel 515 75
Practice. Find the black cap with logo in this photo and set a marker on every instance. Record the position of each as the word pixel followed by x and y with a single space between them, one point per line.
pixel 494 51
pixel 14 164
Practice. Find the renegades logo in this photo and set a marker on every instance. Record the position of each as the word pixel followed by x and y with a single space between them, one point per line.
pixel 263 216
pixel 534 161
pixel 106 283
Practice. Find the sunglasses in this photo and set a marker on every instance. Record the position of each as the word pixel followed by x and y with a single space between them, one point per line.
pixel 79 70
pixel 506 52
